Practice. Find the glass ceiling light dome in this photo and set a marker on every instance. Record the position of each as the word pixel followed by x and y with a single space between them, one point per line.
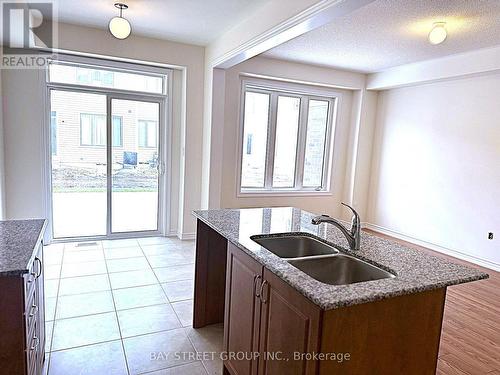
pixel 119 26
pixel 438 33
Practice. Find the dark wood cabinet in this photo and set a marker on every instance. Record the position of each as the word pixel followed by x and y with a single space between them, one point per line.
pixel 22 319
pixel 242 315
pixel 266 321
pixel 289 326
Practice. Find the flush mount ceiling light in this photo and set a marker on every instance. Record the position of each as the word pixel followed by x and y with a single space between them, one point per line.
pixel 119 26
pixel 438 33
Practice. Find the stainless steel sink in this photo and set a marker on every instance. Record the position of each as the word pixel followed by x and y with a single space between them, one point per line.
pixel 340 269
pixel 294 246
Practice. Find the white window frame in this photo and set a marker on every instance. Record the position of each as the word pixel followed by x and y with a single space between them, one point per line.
pixel 276 89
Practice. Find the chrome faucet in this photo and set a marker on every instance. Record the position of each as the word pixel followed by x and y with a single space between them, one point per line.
pixel 352 235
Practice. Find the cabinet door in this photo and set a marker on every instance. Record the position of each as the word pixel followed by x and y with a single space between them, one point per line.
pixel 40 301
pixel 242 312
pixel 289 324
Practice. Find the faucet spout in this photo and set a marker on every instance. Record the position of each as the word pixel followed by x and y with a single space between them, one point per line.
pixel 353 235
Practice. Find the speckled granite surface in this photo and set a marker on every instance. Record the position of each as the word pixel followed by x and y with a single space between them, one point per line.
pixel 415 271
pixel 17 242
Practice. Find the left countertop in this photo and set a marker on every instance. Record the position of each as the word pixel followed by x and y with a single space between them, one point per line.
pixel 18 239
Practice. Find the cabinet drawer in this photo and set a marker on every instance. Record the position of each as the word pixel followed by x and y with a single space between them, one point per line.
pixel 32 347
pixel 29 284
pixel 31 312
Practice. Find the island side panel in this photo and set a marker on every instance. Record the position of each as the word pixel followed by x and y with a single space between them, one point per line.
pixel 12 326
pixel 398 335
pixel 210 276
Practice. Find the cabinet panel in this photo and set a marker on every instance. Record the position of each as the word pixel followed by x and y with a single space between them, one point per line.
pixel 289 324
pixel 241 323
pixel 40 302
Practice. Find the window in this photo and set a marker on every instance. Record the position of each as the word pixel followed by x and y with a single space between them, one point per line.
pixel 285 145
pixel 148 131
pixel 53 132
pixel 96 76
pixel 93 130
pixel 117 131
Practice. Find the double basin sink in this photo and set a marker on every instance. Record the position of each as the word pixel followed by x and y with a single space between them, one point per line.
pixel 320 260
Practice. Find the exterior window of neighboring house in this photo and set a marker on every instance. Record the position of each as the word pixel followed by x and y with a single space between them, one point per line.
pixel 249 143
pixel 93 130
pixel 117 131
pixel 53 132
pixel 286 139
pixel 148 133
pixel 94 77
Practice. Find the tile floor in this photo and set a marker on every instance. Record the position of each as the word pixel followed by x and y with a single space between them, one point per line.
pixel 125 307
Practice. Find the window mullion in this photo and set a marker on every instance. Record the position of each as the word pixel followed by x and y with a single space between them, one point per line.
pixel 271 141
pixel 301 143
pixel 328 143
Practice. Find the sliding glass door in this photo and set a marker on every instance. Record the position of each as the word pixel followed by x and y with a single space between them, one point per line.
pixel 136 164
pixel 106 163
pixel 79 163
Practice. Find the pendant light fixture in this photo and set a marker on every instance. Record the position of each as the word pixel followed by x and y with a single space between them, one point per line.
pixel 119 26
pixel 438 33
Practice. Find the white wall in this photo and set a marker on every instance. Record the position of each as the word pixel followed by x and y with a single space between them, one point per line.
pixel 2 165
pixel 290 71
pixel 436 165
pixel 24 110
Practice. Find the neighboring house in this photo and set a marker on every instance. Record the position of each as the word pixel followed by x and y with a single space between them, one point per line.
pixel 78 126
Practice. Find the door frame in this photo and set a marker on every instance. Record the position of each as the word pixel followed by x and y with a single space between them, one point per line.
pixel 164 143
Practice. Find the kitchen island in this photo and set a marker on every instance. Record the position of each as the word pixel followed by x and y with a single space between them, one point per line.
pixel 284 317
pixel 22 321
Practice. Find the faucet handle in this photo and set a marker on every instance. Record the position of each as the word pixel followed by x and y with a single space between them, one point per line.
pixel 355 219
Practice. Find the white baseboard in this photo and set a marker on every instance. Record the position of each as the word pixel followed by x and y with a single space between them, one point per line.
pixel 451 252
pixel 186 236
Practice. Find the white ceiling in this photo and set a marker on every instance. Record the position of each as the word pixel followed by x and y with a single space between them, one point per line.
pixel 389 33
pixel 189 21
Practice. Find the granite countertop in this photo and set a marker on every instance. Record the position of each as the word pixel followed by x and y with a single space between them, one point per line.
pixel 415 270
pixel 17 242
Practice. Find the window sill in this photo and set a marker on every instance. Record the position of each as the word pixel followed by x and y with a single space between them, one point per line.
pixel 284 193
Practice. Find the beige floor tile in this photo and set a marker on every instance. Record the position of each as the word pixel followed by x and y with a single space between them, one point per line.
pixel 85 330
pixel 175 273
pixel 106 358
pixel 173 258
pixel 194 368
pixel 52 254
pixel 84 284
pixel 50 308
pixel 127 264
pixel 49 329
pixel 184 311
pixel 179 290
pixel 132 278
pixel 83 256
pixel 157 351
pixel 84 304
pixel 52 271
pixel 146 241
pixel 127 242
pixel 123 252
pixel 139 297
pixel 149 319
pixel 51 287
pixel 206 339
pixel 83 269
